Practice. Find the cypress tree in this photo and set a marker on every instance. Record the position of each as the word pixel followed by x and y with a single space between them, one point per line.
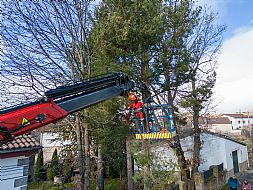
pixel 39 170
pixel 54 166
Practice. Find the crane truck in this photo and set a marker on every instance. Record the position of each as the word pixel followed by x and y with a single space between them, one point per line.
pixel 58 103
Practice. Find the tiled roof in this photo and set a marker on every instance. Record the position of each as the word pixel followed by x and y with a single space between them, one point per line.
pixel 214 120
pixel 190 132
pixel 20 142
pixel 225 137
pixel 238 115
pixel 219 120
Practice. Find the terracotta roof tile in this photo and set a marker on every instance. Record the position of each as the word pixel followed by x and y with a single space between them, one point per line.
pixel 219 120
pixel 4 146
pixel 238 115
pixel 27 144
pixel 21 145
pixel 28 139
pixel 22 141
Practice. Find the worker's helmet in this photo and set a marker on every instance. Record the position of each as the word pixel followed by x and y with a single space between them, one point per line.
pixel 132 97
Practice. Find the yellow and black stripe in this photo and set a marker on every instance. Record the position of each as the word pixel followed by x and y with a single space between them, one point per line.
pixel 167 135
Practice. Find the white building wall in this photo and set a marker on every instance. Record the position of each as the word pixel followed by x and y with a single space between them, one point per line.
pixel 165 157
pixel 215 150
pixel 50 142
pixel 10 172
pixel 212 151
pixel 222 128
pixel 242 153
pixel 238 123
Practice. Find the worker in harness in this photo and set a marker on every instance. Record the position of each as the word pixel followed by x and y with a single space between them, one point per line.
pixel 136 107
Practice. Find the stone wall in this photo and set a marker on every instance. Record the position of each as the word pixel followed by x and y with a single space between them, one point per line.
pixel 215 183
pixel 243 166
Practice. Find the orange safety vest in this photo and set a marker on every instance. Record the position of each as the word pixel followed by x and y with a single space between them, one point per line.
pixel 137 108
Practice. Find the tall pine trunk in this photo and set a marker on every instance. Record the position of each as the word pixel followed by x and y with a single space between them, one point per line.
pixel 179 151
pixel 197 131
pixel 80 151
pixel 87 157
pixel 130 172
pixel 146 168
pixel 100 169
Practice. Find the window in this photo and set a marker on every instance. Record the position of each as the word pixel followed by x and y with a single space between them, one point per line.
pixel 239 122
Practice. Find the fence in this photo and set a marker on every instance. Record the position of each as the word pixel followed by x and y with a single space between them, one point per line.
pixel 209 173
pixel 210 179
pixel 174 187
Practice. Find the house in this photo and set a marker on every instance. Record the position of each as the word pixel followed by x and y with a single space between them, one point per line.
pixel 238 121
pixel 216 149
pixel 222 125
pixel 51 138
pixel 51 141
pixel 226 123
pixel 16 160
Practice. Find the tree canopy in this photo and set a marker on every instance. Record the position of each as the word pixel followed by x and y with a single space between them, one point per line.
pixel 168 47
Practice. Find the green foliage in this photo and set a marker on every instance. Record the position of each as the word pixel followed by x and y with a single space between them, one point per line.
pixel 160 170
pixel 173 57
pixel 157 43
pixel 67 170
pixel 196 98
pixel 50 174
pixel 48 186
pixel 110 184
pixel 39 174
pixel 128 25
pixel 108 131
pixel 124 34
pixel 53 169
pixel 225 187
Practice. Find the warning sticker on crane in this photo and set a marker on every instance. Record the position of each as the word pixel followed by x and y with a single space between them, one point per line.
pixel 25 121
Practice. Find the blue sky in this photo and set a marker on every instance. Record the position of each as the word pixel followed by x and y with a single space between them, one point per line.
pixel 234 88
pixel 236 14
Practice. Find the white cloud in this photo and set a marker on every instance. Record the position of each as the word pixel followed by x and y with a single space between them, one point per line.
pixel 235 73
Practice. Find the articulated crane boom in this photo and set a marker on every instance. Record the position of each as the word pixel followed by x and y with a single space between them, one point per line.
pixel 59 103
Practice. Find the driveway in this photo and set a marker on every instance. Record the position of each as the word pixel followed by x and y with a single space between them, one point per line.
pixel 248 175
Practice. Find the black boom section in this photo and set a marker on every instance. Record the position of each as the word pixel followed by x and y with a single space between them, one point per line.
pixel 80 102
pixel 84 94
pixel 79 96
pixel 88 85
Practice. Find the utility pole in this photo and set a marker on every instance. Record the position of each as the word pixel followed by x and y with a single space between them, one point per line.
pixel 249 124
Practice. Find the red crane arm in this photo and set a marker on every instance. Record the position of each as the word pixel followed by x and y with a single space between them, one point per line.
pixel 31 117
pixel 60 102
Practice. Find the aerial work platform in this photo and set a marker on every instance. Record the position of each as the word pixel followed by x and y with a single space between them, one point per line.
pixel 158 135
pixel 158 123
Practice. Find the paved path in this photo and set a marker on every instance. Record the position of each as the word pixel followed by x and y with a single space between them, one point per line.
pixel 248 175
